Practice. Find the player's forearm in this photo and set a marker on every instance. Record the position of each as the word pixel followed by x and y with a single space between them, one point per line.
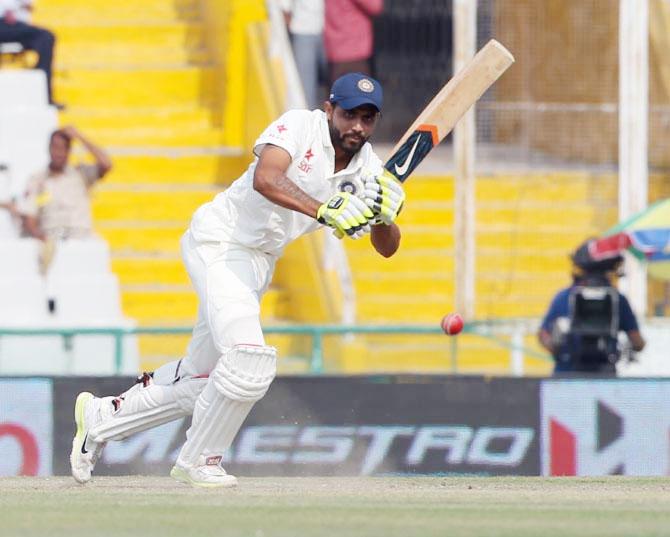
pixel 385 239
pixel 281 190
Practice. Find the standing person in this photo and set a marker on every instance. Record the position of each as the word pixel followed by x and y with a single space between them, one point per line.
pixel 312 168
pixel 15 27
pixel 348 35
pixel 304 19
pixel 581 326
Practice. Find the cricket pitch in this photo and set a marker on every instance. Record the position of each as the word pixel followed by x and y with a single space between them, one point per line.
pixel 337 507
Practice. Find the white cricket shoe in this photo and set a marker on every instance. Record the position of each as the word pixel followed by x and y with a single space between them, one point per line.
pixel 85 452
pixel 207 475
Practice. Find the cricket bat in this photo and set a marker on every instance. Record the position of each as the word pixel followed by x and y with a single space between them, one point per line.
pixel 447 107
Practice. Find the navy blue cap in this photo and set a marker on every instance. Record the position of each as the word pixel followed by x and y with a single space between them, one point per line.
pixel 355 89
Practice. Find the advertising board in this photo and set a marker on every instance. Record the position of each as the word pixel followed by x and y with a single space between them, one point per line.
pixel 350 426
pixel 26 427
pixel 601 427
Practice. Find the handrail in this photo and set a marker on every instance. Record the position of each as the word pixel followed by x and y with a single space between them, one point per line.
pixel 316 331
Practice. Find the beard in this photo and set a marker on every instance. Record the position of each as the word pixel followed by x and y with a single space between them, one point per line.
pixel 348 143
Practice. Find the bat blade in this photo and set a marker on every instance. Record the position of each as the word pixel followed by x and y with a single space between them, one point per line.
pixel 449 105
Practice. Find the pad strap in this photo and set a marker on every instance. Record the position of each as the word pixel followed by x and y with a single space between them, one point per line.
pixel 146 405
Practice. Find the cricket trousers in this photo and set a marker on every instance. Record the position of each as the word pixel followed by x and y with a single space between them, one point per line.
pixel 230 280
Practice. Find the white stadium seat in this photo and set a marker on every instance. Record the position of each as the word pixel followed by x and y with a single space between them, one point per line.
pixel 72 257
pixel 22 299
pixel 23 87
pixel 78 355
pixel 86 295
pixel 8 226
pixel 79 256
pixel 24 142
pixel 85 291
pixel 19 257
pixel 86 298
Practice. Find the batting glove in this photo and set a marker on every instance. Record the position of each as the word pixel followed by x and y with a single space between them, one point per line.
pixel 347 214
pixel 385 196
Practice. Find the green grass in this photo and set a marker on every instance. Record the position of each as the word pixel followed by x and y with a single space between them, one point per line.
pixel 337 507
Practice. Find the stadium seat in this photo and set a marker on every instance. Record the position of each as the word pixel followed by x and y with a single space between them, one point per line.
pixel 43 355
pixel 22 299
pixel 86 295
pixel 24 141
pixel 77 355
pixel 19 257
pixel 80 257
pixel 23 87
pixel 11 48
pixel 86 298
pixel 8 227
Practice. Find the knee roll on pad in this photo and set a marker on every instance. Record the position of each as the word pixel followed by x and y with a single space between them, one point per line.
pixel 241 377
pixel 245 372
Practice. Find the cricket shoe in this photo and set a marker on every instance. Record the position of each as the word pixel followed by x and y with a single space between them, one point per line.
pixel 210 474
pixel 85 452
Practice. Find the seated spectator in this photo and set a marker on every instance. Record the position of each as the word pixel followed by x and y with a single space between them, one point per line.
pixel 56 204
pixel 15 27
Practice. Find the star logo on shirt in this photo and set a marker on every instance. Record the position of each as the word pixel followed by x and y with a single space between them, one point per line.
pixel 281 128
pixel 304 165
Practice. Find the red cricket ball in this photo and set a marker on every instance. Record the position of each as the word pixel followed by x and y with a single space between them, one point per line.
pixel 452 324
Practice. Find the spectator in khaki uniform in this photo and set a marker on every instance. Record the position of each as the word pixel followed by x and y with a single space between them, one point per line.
pixel 56 204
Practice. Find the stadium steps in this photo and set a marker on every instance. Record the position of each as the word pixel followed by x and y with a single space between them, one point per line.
pixel 526 225
pixel 93 13
pixel 124 46
pixel 157 85
pixel 137 79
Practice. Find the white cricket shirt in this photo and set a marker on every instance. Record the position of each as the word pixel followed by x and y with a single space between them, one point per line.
pixel 243 216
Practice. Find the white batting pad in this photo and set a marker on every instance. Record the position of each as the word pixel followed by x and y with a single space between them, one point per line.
pixel 241 377
pixel 145 406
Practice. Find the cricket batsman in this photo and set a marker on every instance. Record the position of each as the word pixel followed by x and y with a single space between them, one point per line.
pixel 311 168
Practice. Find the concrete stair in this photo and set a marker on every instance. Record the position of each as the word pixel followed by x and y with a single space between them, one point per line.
pixel 136 78
pixel 526 227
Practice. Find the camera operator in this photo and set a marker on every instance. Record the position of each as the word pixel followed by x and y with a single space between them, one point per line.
pixel 582 325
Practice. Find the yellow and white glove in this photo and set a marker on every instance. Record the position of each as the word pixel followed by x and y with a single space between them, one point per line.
pixel 347 214
pixel 385 196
